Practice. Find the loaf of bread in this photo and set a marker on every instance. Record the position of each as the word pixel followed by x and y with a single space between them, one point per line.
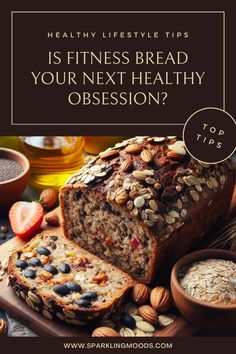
pixel 144 203
pixel 61 280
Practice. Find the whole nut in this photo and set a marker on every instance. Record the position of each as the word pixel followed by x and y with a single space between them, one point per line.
pixel 148 314
pixel 3 327
pixel 133 148
pixel 140 293
pixel 126 165
pixel 161 299
pixel 48 198
pixel 109 154
pixel 127 332
pixel 52 219
pixel 105 332
pixel 146 156
pixel 175 156
pixel 145 327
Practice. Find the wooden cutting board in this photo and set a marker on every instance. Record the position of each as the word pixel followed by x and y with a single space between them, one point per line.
pixel 18 309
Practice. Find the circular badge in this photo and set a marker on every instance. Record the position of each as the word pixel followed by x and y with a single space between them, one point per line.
pixel 210 135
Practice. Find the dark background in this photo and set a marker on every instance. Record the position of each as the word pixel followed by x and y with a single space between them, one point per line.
pixel 47 104
pixel 181 345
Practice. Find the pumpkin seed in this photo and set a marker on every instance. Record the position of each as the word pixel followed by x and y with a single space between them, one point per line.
pixel 139 175
pixel 145 326
pixel 166 320
pixel 139 202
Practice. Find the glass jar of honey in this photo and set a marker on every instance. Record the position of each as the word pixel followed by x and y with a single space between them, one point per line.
pixel 52 158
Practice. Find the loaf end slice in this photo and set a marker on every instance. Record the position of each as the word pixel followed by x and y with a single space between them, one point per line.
pixel 62 281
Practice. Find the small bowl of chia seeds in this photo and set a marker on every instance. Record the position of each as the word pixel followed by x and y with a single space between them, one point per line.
pixel 203 285
pixel 14 175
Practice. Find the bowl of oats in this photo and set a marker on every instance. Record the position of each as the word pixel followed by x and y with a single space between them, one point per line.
pixel 203 286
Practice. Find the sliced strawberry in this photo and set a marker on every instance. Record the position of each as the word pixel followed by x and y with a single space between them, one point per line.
pixel 25 218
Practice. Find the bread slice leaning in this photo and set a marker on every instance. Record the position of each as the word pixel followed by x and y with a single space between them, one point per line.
pixel 63 281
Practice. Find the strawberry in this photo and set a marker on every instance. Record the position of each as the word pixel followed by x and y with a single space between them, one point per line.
pixel 25 218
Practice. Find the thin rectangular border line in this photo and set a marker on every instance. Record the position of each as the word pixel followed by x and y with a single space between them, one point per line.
pixel 224 54
pixel 110 12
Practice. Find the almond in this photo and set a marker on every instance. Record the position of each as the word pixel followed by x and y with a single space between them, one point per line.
pixel 105 332
pixel 126 165
pixel 161 299
pixel 3 327
pixel 133 148
pixel 175 156
pixel 145 327
pixel 146 156
pixel 148 314
pixel 140 293
pixel 52 219
pixel 109 154
pixel 48 198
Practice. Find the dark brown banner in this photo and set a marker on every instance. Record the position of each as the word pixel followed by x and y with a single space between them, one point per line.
pixel 126 345
pixel 74 70
pixel 107 68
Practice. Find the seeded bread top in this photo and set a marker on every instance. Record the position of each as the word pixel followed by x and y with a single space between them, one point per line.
pixel 154 178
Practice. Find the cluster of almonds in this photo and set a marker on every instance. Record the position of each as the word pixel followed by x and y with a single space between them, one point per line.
pixel 141 317
pixel 48 199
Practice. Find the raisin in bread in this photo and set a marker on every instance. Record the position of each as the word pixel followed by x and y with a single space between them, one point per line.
pixel 61 280
pixel 144 203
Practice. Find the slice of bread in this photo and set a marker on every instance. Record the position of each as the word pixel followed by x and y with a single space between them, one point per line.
pixel 61 280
